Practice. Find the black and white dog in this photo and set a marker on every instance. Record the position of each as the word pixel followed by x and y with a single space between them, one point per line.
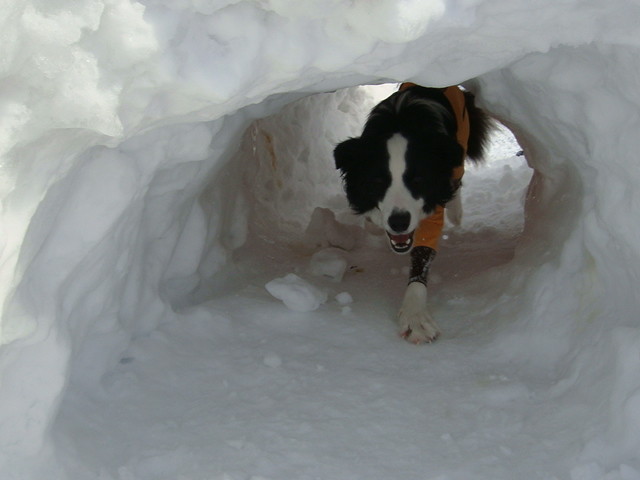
pixel 402 171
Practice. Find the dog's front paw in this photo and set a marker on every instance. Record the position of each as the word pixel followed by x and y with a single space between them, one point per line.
pixel 417 327
pixel 415 324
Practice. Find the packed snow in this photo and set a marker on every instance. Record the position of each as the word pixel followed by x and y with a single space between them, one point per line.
pixel 296 293
pixel 186 296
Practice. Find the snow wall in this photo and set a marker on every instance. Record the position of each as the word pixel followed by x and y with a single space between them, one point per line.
pixel 120 202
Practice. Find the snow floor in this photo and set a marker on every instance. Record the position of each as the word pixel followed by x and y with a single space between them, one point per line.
pixel 244 388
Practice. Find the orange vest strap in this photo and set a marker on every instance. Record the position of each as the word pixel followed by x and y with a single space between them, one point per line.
pixel 429 229
pixel 456 99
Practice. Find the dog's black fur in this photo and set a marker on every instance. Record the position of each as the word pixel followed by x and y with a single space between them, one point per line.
pixel 425 118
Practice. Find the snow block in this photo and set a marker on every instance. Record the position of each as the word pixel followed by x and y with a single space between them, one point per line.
pixel 297 294
pixel 329 263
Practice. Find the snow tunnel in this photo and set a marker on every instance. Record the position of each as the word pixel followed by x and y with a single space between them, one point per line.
pixel 138 341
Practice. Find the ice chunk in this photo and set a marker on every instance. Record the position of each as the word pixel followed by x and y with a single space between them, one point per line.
pixel 329 262
pixel 344 298
pixel 297 294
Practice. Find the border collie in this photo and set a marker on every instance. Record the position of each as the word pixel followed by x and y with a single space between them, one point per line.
pixel 404 169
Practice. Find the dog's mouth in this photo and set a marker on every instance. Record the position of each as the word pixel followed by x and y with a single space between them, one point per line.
pixel 401 243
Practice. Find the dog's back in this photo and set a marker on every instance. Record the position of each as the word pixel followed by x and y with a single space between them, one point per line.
pixel 481 126
pixel 415 100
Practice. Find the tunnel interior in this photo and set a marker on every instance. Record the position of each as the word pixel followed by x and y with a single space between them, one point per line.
pixel 275 201
pixel 164 241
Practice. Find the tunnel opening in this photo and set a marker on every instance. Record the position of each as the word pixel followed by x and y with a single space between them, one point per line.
pixel 294 198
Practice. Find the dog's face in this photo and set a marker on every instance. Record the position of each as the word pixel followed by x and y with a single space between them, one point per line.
pixel 398 180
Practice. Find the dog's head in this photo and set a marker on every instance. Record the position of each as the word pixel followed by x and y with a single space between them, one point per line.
pixel 398 178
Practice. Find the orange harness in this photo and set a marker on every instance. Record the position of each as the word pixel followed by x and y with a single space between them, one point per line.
pixel 429 229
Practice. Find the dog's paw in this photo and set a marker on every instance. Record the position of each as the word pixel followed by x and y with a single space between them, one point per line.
pixel 415 324
pixel 417 327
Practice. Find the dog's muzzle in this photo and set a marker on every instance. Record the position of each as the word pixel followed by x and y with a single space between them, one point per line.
pixel 400 243
pixel 399 221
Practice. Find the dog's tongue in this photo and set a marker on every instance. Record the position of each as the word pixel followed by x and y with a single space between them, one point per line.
pixel 401 238
pixel 401 243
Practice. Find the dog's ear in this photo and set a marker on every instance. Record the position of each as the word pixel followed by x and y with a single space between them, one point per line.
pixel 347 152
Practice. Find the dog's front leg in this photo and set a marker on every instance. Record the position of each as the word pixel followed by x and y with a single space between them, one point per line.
pixel 414 320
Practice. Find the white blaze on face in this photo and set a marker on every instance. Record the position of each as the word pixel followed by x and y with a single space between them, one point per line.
pixel 398 197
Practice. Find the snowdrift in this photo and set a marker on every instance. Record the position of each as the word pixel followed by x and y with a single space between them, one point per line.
pixel 127 137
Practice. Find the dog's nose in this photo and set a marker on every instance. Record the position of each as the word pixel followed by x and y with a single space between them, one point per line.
pixel 399 220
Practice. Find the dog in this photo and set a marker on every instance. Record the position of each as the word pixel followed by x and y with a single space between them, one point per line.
pixel 401 173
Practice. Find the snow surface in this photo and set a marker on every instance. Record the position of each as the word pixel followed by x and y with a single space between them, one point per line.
pixel 163 161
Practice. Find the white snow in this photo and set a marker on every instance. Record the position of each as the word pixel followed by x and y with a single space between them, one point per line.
pixel 162 161
pixel 296 293
pixel 344 298
pixel 328 262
